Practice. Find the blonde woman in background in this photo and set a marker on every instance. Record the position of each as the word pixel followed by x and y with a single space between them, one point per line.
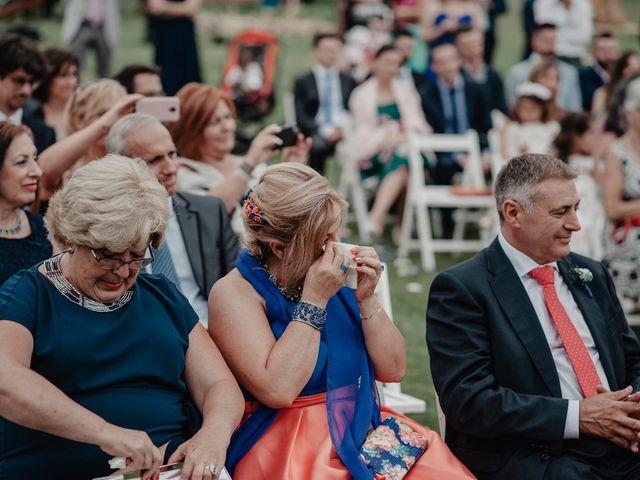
pixel 89 115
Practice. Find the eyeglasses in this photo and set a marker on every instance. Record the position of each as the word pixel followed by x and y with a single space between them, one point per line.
pixel 112 263
pixel 21 81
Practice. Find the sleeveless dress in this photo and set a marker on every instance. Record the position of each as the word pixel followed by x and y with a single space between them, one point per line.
pixel 127 366
pixel 623 257
pixel 318 437
pixel 19 253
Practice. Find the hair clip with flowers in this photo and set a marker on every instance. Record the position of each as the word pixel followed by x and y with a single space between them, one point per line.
pixel 252 211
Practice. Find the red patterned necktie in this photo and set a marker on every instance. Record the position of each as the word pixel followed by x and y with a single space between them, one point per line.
pixel 577 352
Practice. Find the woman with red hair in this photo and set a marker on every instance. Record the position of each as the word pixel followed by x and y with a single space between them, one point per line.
pixel 205 136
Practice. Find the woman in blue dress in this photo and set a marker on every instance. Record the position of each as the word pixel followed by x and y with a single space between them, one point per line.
pixel 98 360
pixel 306 349
pixel 442 19
pixel 23 238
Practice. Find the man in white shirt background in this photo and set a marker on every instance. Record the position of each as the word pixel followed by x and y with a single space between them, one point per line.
pixel 321 99
pixel 22 66
pixel 532 358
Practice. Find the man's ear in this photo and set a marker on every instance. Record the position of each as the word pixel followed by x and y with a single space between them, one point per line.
pixel 277 249
pixel 511 212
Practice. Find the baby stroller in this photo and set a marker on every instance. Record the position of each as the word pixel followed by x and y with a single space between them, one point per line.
pixel 249 73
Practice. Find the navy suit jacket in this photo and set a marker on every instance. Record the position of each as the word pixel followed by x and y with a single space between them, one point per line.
pixel 478 112
pixel 493 369
pixel 211 244
pixel 590 81
pixel 43 135
pixel 307 100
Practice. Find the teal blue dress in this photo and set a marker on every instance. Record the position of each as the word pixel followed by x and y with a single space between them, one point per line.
pixel 379 167
pixel 127 366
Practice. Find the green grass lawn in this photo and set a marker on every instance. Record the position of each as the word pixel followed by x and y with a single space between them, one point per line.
pixel 408 308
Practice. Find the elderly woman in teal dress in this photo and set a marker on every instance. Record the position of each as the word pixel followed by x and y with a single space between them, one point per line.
pixel 98 360
pixel 385 109
pixel 307 349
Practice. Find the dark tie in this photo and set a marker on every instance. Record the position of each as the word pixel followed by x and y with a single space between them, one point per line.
pixel 576 350
pixel 163 264
pixel 454 111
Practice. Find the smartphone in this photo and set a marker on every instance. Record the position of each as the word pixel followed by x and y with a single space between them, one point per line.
pixel 165 109
pixel 289 137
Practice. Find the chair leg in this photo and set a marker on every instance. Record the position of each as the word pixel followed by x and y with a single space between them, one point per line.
pixel 425 238
pixel 407 225
pixel 360 209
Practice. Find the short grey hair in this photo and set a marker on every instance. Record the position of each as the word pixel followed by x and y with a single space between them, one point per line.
pixel 115 203
pixel 519 178
pixel 127 125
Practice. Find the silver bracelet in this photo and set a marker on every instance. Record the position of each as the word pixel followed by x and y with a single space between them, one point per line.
pixel 367 317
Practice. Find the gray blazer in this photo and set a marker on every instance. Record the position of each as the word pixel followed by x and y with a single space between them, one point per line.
pixel 211 245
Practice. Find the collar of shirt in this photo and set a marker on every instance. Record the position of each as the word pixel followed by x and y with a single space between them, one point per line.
pixel 520 261
pixel 322 70
pixel 457 85
pixel 602 73
pixel 15 117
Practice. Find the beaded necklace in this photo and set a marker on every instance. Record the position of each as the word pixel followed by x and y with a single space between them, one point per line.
pixel 54 275
pixel 13 230
pixel 291 294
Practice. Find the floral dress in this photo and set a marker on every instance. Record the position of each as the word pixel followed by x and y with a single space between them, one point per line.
pixel 622 252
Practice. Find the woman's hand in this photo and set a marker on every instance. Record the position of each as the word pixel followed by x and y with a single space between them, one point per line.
pixel 135 446
pixel 155 7
pixel 299 153
pixel 199 455
pixel 121 108
pixel 262 146
pixel 325 276
pixel 369 268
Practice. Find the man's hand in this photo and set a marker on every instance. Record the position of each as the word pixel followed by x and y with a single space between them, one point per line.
pixel 336 136
pixel 610 415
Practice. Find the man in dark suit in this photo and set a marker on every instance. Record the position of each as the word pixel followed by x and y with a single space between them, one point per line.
pixel 22 66
pixel 531 355
pixel 200 246
pixel 606 51
pixel 470 45
pixel 453 104
pixel 321 99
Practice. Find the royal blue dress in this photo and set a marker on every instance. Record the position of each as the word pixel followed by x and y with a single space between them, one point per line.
pixel 127 366
pixel 19 253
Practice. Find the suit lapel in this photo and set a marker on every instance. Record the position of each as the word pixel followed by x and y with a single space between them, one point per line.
pixel 189 223
pixel 592 316
pixel 520 313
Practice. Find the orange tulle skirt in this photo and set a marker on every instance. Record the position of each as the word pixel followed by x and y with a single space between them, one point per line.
pixel 298 446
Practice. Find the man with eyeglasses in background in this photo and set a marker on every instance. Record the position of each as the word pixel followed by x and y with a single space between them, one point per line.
pixel 199 246
pixel 22 66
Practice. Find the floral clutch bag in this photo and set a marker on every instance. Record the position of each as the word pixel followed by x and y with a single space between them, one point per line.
pixel 391 449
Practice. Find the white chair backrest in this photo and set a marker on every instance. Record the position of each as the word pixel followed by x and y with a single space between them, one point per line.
pixel 289 108
pixel 498 119
pixel 466 143
pixel 495 145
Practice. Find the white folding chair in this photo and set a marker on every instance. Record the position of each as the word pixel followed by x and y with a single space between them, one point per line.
pixel 350 185
pixel 289 108
pixel 391 393
pixel 421 197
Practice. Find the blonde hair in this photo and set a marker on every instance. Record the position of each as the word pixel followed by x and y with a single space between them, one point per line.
pixel 88 100
pixel 298 207
pixel 115 203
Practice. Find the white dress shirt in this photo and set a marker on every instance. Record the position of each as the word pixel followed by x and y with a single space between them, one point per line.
pixel 569 385
pixel 574 25
pixel 338 113
pixel 188 285
pixel 15 117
